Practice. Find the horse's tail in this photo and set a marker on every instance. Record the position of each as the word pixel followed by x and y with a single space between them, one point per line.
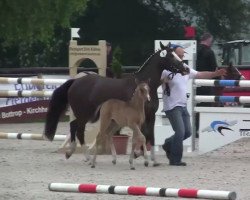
pixel 57 106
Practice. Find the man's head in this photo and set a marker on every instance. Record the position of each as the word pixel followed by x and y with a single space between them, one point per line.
pixel 207 39
pixel 180 52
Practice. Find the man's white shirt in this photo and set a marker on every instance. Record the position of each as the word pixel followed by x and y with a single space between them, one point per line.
pixel 178 89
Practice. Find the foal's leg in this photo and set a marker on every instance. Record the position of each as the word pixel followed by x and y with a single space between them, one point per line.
pixel 105 128
pixel 131 157
pixel 114 127
pixel 138 139
pixel 97 143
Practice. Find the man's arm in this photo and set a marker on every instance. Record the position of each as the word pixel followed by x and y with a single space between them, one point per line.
pixel 209 75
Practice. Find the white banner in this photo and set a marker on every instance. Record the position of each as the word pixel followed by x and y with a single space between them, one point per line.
pixel 10 101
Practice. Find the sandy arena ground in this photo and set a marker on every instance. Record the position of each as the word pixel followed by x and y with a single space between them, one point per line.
pixel 27 167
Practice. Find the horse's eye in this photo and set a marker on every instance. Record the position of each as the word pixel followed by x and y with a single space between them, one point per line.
pixel 163 53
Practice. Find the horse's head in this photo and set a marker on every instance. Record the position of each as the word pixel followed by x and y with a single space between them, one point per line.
pixel 170 61
pixel 233 73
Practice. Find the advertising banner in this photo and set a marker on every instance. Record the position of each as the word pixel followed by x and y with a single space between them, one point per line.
pixel 25 109
pixel 222 126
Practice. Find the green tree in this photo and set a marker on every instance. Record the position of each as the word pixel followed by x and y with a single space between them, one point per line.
pixel 35 20
pixel 116 62
pixel 131 24
pixel 225 19
pixel 36 31
pixel 135 24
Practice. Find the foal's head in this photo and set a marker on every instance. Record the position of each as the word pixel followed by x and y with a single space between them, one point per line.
pixel 142 91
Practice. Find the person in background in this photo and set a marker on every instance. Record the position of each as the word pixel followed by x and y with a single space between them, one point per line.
pixel 175 107
pixel 206 61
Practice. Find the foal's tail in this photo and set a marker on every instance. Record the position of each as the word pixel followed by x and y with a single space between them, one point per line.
pixel 57 106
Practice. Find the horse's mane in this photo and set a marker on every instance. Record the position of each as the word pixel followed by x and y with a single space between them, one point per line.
pixel 147 61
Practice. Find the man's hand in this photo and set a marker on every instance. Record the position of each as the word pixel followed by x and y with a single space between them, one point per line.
pixel 221 72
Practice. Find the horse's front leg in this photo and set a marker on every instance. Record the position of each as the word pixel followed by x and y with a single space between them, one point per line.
pixel 145 153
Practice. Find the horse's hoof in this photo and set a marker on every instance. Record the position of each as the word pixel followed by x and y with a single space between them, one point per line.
pixel 132 168
pixel 146 164
pixel 92 166
pixel 114 162
pixel 156 164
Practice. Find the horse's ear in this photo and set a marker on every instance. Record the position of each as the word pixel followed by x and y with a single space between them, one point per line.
pixel 148 81
pixel 169 45
pixel 162 46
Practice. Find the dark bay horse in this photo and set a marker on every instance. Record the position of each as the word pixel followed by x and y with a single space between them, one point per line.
pixel 87 93
pixel 232 74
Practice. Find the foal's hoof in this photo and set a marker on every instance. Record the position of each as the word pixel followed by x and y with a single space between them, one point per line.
pixel 146 163
pixel 67 155
pixel 86 158
pixel 132 168
pixel 137 154
pixel 156 164
pixel 114 162
pixel 92 166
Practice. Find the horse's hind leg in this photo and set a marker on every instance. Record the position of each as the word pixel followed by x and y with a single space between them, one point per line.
pixel 72 147
pixel 80 135
pixel 148 129
pixel 73 127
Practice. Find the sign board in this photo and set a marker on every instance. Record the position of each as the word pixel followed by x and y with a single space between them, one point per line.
pixel 96 53
pixel 220 126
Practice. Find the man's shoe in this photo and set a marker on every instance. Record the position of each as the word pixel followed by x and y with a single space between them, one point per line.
pixel 178 163
pixel 164 147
